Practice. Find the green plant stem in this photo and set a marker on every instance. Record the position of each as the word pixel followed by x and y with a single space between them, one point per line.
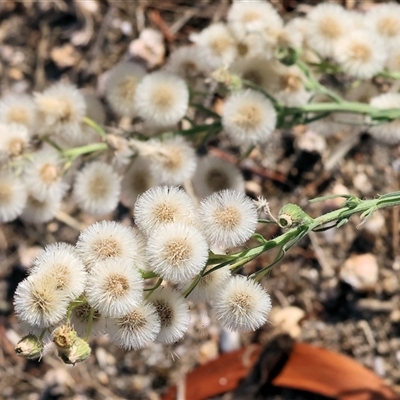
pixel 90 324
pixel 95 126
pixel 78 151
pixel 352 205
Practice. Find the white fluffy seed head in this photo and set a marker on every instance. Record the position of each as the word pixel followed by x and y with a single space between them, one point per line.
pixel 109 240
pixel 388 133
pixel 161 205
pixel 61 261
pixel 393 61
pixel 242 304
pixel 257 70
pixel 384 19
pixel 61 109
pixel 19 109
pixel 14 139
pixel 43 176
pixel 246 17
pixel 290 82
pixel 97 188
pixel 173 312
pixel 361 53
pixel 177 252
pixel 186 62
pixel 37 212
pixel 121 84
pixel 136 329
pixel 114 287
pixel 248 117
pixel 208 286
pixel 227 218
pixel 38 302
pixel 173 160
pixel 162 98
pixel 214 174
pixel 328 22
pixel 216 45
pixel 137 179
pixel 12 196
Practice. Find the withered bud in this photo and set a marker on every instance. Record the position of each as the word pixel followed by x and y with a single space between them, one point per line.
pixel 78 352
pixel 64 337
pixel 30 347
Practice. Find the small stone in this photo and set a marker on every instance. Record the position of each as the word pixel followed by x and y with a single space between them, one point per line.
pixel 383 348
pixel 65 56
pixel 360 272
pixel 149 47
pixel 390 284
pixel 395 316
pixel 375 223
pixel 208 351
pixel 311 141
pixel 288 319
pixel 362 183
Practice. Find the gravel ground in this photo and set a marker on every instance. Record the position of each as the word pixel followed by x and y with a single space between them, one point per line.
pixel 41 42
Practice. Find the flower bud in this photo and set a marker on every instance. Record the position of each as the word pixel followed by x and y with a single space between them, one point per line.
pixel 30 347
pixel 291 215
pixel 79 351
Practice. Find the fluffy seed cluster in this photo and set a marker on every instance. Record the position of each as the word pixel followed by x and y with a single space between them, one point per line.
pixel 99 282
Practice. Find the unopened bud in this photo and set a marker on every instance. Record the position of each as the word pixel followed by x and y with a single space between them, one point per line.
pixel 291 215
pixel 30 347
pixel 78 352
pixel 232 81
pixel 64 337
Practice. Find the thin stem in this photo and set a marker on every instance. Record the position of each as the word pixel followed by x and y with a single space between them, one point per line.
pixel 90 324
pixel 78 151
pixel 95 126
pixel 151 290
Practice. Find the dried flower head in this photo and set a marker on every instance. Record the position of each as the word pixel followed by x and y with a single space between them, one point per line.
pixel 43 176
pixel 97 188
pixel 136 329
pixel 137 179
pixel 173 312
pixel 227 218
pixel 162 98
pixel 12 196
pixel 248 117
pixel 214 174
pixel 161 205
pixel 61 109
pixel 14 139
pixel 121 85
pixel 328 22
pixel 172 160
pixel 216 45
pixel 114 287
pixel 37 212
pixel 361 53
pixel 18 109
pixel 109 240
pixel 246 17
pixel 186 62
pixel 387 132
pixel 242 305
pixel 384 19
pixel 38 302
pixel 177 252
pixel 61 261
